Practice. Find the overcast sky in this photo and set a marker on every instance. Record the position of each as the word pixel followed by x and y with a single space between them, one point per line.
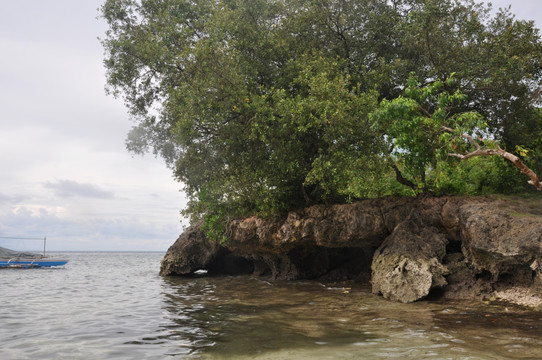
pixel 64 169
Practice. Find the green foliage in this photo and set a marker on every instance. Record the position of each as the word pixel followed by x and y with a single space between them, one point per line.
pixel 415 126
pixel 262 106
pixel 216 217
pixel 477 176
pixel 428 129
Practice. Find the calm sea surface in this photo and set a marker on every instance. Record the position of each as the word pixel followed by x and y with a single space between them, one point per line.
pixel 115 306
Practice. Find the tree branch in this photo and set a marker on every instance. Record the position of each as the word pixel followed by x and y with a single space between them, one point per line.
pixel 535 181
pixel 402 180
pixel 465 135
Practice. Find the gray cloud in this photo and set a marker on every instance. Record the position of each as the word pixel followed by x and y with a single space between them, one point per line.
pixel 10 199
pixel 70 188
pixel 111 233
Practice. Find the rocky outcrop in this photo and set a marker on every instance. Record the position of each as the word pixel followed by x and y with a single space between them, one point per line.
pixel 407 247
pixel 192 252
pixel 506 244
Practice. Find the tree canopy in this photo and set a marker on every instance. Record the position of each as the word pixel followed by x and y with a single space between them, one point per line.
pixel 261 106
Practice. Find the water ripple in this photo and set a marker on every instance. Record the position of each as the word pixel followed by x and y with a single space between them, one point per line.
pixel 115 306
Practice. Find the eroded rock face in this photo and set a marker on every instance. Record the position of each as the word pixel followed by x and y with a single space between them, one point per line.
pixel 506 244
pixel 192 251
pixel 473 247
pixel 408 264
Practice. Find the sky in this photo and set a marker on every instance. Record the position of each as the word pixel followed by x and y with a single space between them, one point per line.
pixel 64 170
pixel 65 173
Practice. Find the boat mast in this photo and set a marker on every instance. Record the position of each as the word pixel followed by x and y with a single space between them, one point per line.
pixel 44 240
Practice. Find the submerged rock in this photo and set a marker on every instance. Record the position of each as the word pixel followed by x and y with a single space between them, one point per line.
pixel 407 247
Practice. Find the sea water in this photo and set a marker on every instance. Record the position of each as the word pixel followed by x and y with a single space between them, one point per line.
pixel 115 306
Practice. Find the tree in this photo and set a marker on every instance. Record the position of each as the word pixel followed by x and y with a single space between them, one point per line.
pixel 427 126
pixel 497 60
pixel 244 107
pixel 261 106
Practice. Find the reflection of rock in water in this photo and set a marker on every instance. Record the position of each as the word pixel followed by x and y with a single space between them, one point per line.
pixel 408 248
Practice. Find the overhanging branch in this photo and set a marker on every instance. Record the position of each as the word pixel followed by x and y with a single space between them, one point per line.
pixel 499 152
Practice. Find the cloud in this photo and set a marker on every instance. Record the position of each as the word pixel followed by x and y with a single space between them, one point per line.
pixel 10 199
pixel 70 188
pixel 105 233
pixel 66 172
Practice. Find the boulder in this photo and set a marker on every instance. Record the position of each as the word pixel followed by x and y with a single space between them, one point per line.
pixel 408 264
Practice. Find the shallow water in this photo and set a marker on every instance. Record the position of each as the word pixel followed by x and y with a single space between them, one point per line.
pixel 115 306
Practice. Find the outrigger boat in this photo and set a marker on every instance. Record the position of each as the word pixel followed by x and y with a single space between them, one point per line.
pixel 24 260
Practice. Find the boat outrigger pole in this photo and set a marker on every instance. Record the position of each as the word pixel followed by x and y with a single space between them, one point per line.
pixel 27 238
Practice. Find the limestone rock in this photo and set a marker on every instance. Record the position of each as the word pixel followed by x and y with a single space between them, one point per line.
pixel 192 251
pixel 473 247
pixel 501 241
pixel 408 264
pixel 189 253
